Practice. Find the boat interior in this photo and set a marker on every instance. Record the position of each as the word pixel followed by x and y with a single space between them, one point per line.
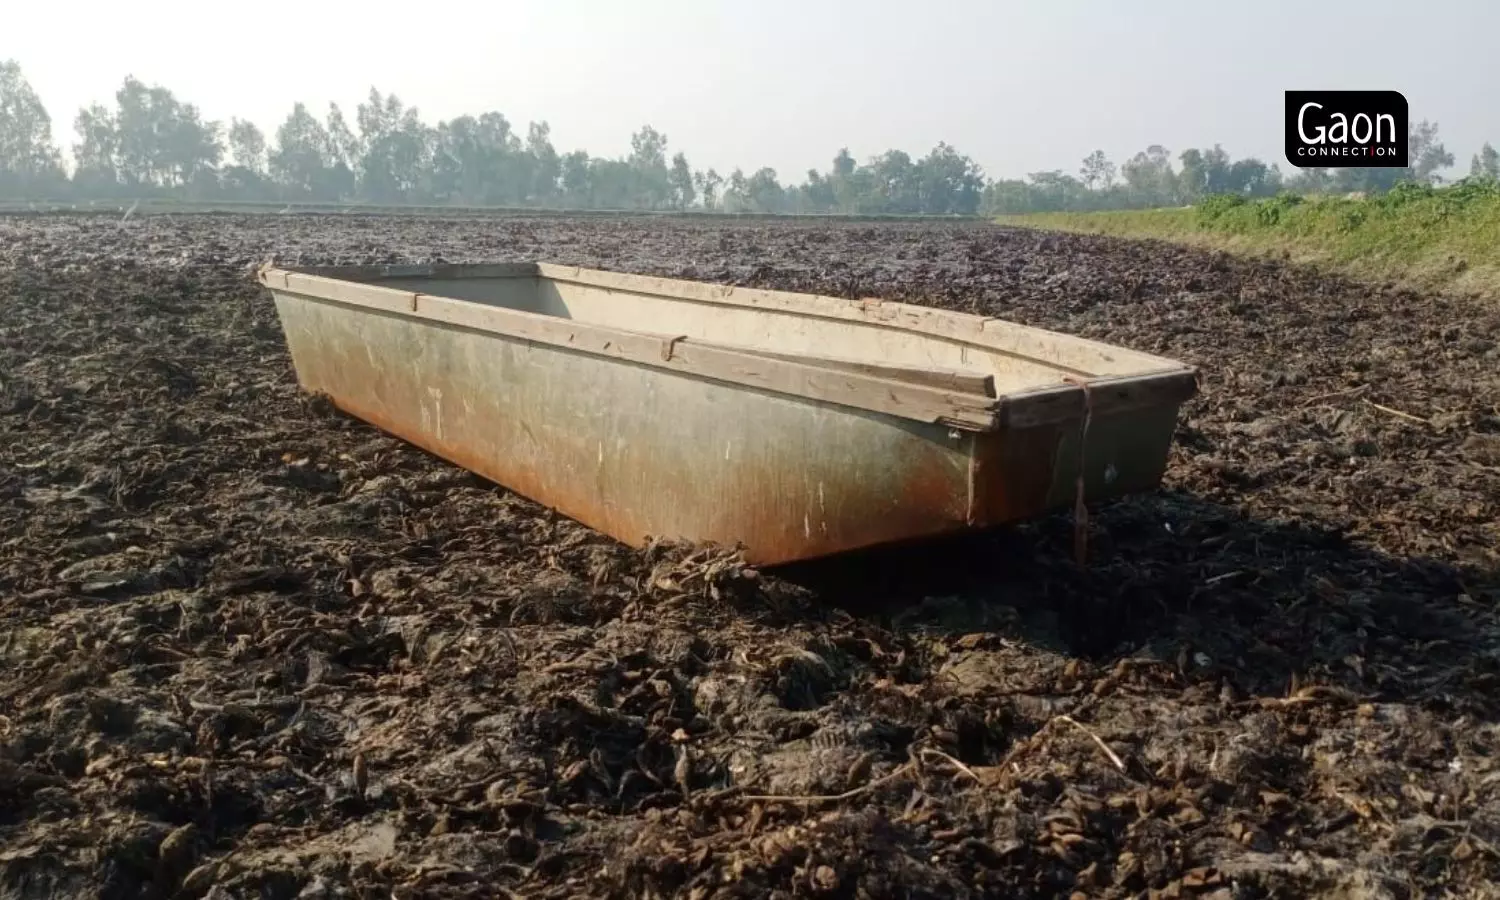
pixel 891 340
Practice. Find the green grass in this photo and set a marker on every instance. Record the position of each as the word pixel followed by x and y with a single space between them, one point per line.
pixel 1424 237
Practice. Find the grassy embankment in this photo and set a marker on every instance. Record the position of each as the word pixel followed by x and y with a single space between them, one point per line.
pixel 1429 238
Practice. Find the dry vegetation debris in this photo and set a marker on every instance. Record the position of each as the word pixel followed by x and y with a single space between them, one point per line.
pixel 252 648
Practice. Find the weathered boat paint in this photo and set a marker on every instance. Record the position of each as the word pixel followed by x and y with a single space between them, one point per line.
pixel 527 375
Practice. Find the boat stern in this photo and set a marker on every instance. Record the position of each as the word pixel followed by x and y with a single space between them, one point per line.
pixel 1115 434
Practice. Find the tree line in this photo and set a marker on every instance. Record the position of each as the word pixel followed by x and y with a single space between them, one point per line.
pixel 1150 180
pixel 150 143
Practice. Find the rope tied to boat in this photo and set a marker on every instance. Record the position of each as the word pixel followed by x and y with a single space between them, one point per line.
pixel 1080 511
pixel 669 345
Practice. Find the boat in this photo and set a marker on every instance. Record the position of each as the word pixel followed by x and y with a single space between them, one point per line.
pixel 793 426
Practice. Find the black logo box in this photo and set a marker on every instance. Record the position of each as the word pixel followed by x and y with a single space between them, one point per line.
pixel 1346 129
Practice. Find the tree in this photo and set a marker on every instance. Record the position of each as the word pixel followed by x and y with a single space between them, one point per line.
pixel 97 149
pixel 857 191
pixel 1486 163
pixel 707 184
pixel 1149 178
pixel 343 147
pixel 843 164
pixel 1057 190
pixel 897 183
pixel 1008 196
pixel 1097 171
pixel 613 184
pixel 29 161
pixel 459 161
pixel 300 160
pixel 736 192
pixel 1248 176
pixel 500 170
pixel 1426 154
pixel 152 142
pixel 546 166
pixel 948 182
pixel 247 145
pixel 575 178
pixel 1205 172
pixel 162 142
pixel 245 178
pixel 818 192
pixel 764 192
pixel 397 148
pixel 681 179
pixel 648 160
pixel 1219 169
pixel 1192 179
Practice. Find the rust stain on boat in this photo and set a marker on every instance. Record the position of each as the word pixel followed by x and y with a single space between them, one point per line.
pixel 778 464
pixel 1013 474
pixel 785 498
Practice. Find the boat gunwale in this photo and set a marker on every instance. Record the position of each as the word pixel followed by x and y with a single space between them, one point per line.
pixel 814 378
pixel 984 332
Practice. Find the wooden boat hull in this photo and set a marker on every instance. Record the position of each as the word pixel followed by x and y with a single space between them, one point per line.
pixel 613 429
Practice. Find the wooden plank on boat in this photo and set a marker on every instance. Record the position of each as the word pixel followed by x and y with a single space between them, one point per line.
pixel 932 376
pixel 801 378
pixel 1078 355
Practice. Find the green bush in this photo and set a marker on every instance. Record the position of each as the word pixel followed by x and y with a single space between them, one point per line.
pixel 1351 219
pixel 1217 208
pixel 1271 210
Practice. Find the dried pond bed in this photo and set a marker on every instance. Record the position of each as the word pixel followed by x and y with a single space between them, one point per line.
pixel 252 648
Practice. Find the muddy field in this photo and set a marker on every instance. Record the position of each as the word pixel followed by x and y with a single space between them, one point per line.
pixel 252 648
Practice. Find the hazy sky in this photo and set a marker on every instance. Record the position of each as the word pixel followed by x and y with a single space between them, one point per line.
pixel 1018 86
